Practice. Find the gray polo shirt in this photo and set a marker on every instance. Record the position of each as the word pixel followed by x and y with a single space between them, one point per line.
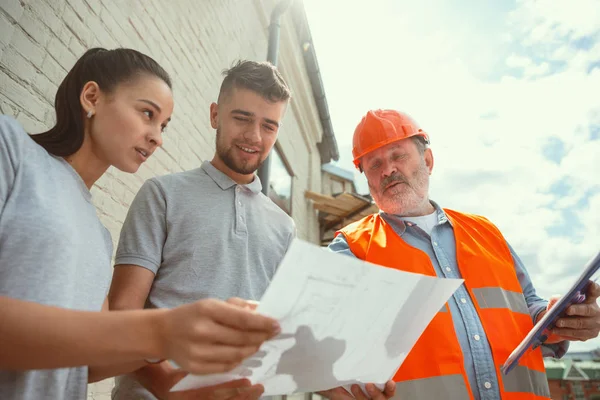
pixel 203 236
pixel 53 251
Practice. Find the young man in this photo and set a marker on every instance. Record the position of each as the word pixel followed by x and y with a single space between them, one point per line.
pixel 208 232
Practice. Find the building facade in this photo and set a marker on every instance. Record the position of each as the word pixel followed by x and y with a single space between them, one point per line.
pixel 194 41
pixel 575 377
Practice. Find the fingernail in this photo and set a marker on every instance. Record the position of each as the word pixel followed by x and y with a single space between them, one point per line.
pixel 276 327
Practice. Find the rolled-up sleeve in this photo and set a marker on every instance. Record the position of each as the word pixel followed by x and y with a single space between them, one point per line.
pixel 341 246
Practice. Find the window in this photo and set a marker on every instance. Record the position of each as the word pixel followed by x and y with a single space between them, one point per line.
pixel 578 391
pixel 280 182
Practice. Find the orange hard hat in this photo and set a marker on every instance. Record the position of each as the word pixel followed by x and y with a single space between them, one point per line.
pixel 381 127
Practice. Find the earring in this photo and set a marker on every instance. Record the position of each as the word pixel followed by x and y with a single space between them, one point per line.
pixel 90 113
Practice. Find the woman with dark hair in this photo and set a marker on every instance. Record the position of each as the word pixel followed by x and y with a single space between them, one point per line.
pixel 55 255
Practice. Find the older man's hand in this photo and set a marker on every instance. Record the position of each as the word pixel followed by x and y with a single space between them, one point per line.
pixel 581 322
pixel 240 389
pixel 340 393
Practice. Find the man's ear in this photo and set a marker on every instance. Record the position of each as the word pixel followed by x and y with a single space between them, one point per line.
pixel 428 155
pixel 214 112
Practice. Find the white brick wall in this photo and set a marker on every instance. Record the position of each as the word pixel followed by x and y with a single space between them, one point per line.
pixel 194 41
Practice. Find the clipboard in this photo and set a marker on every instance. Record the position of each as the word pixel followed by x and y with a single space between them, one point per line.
pixel 539 333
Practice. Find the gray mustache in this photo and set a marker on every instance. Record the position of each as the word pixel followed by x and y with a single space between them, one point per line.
pixel 391 179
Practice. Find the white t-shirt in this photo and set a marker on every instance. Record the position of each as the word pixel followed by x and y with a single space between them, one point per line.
pixel 425 222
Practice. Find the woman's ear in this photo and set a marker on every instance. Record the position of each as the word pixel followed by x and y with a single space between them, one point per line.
pixel 89 97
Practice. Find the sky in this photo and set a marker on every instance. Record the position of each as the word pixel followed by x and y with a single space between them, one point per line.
pixel 509 94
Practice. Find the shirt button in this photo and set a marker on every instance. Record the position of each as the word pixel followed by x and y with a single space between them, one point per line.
pixel 463 300
pixel 435 243
pixel 487 385
pixel 448 269
pixel 477 337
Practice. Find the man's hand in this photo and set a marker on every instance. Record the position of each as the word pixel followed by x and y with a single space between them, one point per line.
pixel 581 322
pixel 340 393
pixel 240 389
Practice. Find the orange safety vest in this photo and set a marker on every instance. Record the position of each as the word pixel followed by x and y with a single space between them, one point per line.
pixel 434 369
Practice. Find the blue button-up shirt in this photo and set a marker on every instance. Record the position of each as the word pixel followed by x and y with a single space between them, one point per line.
pixel 441 249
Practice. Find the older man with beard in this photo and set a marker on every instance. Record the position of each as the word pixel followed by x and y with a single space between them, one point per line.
pixel 459 354
pixel 209 232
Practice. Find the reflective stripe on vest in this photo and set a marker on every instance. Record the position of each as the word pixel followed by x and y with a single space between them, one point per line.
pixel 495 297
pixel 447 387
pixel 452 387
pixel 525 380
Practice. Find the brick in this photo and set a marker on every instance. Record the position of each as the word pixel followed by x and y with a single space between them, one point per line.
pixel 31 125
pixel 46 14
pixel 144 172
pixel 14 63
pixel 27 47
pixel 7 107
pixel 76 47
pixel 99 196
pixel 44 86
pixel 50 117
pixel 22 96
pixel 117 191
pixel 131 181
pixel 53 70
pixel 119 9
pixel 34 28
pixel 101 35
pixel 94 7
pixel 128 196
pixel 61 53
pixel 13 8
pixel 82 9
pixel 138 27
pixel 57 5
pixel 63 34
pixel 113 27
pixel 116 210
pixel 6 30
pixel 77 27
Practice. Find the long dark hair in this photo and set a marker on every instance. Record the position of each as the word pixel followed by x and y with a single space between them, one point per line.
pixel 108 68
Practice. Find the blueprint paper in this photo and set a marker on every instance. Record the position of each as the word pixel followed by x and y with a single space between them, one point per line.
pixel 343 321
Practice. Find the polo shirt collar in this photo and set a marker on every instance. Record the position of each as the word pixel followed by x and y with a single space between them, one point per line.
pixel 225 182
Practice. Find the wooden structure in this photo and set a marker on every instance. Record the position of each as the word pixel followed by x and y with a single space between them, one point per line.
pixel 339 210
